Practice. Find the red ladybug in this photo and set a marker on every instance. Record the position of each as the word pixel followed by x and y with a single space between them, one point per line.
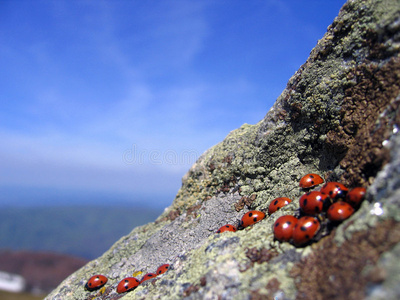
pixel 335 190
pixel 310 180
pixel 339 211
pixel 227 227
pixel 278 203
pixel 355 196
pixel 127 284
pixel 305 230
pixel 162 269
pixel 252 217
pixel 95 282
pixel 312 203
pixel 283 228
pixel 148 276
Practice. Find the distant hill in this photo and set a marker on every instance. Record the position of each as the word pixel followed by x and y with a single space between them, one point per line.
pixel 42 271
pixel 19 296
pixel 83 231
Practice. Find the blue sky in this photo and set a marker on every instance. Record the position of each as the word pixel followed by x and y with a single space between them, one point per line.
pixel 112 101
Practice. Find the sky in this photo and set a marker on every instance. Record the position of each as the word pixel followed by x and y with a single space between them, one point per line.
pixel 112 101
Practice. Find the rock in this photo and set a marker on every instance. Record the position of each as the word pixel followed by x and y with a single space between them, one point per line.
pixel 338 117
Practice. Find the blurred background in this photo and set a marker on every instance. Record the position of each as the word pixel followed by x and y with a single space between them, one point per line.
pixel 104 106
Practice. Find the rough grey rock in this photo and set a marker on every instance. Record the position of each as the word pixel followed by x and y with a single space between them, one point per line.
pixel 339 117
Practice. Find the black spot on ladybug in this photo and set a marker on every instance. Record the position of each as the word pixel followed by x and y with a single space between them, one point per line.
pixel 277 224
pixel 276 202
pixel 305 202
pixel 250 214
pixel 302 228
pixel 255 219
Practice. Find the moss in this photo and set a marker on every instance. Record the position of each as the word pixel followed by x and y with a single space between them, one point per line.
pixel 376 87
pixel 337 264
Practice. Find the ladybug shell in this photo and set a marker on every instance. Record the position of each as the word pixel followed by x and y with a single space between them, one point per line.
pixel 355 196
pixel 283 228
pixel 277 204
pixel 305 230
pixel 95 282
pixel 127 284
pixel 227 227
pixel 335 190
pixel 339 211
pixel 148 276
pixel 162 269
pixel 310 180
pixel 312 203
pixel 252 217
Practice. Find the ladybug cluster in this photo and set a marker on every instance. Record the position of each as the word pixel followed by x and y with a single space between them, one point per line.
pixel 329 206
pixel 125 285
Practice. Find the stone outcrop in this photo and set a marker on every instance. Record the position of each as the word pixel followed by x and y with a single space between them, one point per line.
pixel 339 117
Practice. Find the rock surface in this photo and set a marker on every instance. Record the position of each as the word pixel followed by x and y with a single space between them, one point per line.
pixel 339 117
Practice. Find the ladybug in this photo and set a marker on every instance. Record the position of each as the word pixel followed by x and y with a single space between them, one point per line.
pixel 251 217
pixel 277 204
pixel 148 276
pixel 339 211
pixel 227 227
pixel 127 284
pixel 355 196
pixel 162 269
pixel 95 282
pixel 335 190
pixel 283 228
pixel 312 203
pixel 305 230
pixel 310 180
